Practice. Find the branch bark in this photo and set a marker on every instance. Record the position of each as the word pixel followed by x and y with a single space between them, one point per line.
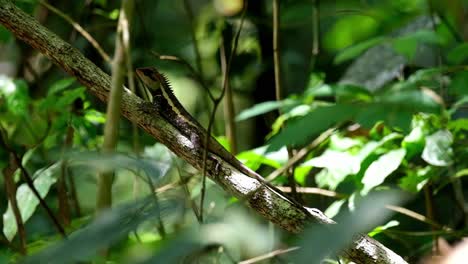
pixel 271 205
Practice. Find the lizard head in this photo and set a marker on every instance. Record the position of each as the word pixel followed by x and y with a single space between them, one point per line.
pixel 151 77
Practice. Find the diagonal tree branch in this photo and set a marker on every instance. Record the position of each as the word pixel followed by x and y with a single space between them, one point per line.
pixel 271 205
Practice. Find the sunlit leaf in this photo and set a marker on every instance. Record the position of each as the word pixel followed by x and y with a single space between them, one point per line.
pixel 415 179
pixel 16 95
pixel 414 141
pixel 27 201
pixel 381 168
pixel 334 208
pixel 380 229
pixel 438 150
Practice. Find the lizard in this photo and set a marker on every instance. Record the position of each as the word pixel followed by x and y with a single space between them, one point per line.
pixel 173 111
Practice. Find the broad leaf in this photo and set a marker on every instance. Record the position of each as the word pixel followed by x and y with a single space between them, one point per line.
pixel 318 120
pixel 368 213
pixel 263 108
pixel 27 201
pixel 381 168
pixel 108 228
pixel 458 54
pixel 438 150
pixel 380 229
pixel 356 50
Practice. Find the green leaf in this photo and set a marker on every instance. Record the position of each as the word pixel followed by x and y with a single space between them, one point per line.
pixel 60 85
pixel 105 162
pixel 263 108
pixel 458 54
pixel 16 95
pixel 94 117
pixel 461 173
pixel 458 84
pixel 5 35
pixel 318 120
pixel 413 100
pixel 256 157
pixel 415 179
pixel 407 45
pixel 337 166
pixel 380 229
pixel 27 201
pixel 331 240
pixel 381 169
pixel 334 208
pixel 438 150
pixel 414 142
pixel 110 227
pixel 356 50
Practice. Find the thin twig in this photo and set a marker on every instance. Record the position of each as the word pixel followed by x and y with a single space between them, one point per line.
pixel 313 190
pixel 78 28
pixel 269 255
pixel 279 88
pixel 416 216
pixel 315 33
pixel 216 104
pixel 196 49
pixel 230 125
pixel 184 183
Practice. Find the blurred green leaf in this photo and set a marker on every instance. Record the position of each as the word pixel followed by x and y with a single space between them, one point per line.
pixel 407 45
pixel 334 208
pixel 27 201
pixel 369 212
pixel 263 108
pixel 5 35
pixel 414 142
pixel 108 162
pixel 318 120
pixel 357 49
pixel 256 157
pixel 438 150
pixel 60 85
pixel 458 54
pixel 381 169
pixel 94 116
pixel 458 85
pixel 344 32
pixel 109 227
pixel 415 179
pixel 16 95
pixel 458 125
pixel 380 229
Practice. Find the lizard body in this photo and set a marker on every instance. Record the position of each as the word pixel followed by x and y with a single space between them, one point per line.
pixel 171 109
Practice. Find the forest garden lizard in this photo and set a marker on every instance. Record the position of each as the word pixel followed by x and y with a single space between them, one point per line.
pixel 168 106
